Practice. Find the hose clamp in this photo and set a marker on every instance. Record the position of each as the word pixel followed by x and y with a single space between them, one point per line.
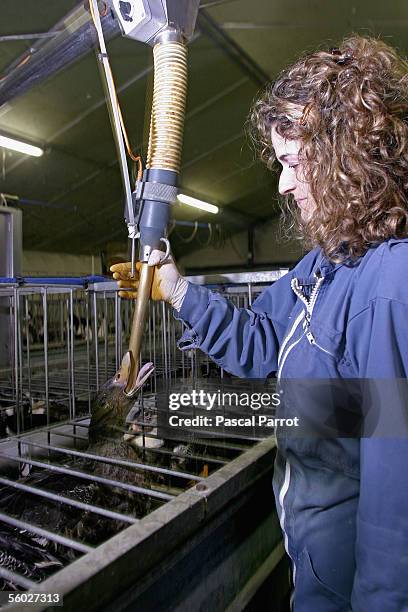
pixel 160 192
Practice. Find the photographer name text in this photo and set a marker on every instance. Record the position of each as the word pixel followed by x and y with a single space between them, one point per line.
pixel 254 420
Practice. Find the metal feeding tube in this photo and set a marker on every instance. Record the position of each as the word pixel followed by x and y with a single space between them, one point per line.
pixel 167 25
pixel 163 166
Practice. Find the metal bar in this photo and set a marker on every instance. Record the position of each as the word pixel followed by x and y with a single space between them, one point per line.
pixel 154 306
pixel 67 435
pixel 105 332
pixel 117 516
pixel 167 314
pixel 220 145
pixel 71 356
pixel 20 364
pixel 68 369
pixel 183 365
pixel 9 37
pixel 92 477
pixel 131 464
pixel 203 441
pixel 235 277
pixel 17 579
pixel 64 434
pixel 164 332
pixel 203 458
pixel 174 524
pixel 45 315
pixel 149 332
pixel 117 309
pixel 95 316
pixel 16 360
pixel 75 40
pixel 214 3
pixel 235 52
pixel 78 423
pixel 27 344
pixel 54 537
pixel 88 353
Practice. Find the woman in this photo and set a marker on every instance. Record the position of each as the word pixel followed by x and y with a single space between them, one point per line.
pixel 337 122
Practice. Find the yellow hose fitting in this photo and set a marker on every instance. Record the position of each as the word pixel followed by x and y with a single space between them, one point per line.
pixel 168 107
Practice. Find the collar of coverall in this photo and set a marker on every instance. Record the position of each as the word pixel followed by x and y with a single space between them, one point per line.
pixel 325 266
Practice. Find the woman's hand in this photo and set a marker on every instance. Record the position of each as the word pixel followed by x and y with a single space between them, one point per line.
pixel 168 284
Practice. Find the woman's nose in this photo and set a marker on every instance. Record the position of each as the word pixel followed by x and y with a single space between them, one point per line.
pixel 286 182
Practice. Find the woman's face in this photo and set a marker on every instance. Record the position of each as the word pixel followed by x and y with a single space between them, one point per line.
pixel 290 180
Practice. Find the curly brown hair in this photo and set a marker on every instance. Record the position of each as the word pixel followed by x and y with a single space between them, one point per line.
pixel 349 109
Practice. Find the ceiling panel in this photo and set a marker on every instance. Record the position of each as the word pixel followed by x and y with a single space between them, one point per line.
pixel 78 174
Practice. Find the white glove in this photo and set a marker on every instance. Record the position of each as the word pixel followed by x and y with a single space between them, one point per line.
pixel 168 284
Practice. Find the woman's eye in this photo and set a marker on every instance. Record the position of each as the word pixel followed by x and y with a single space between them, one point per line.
pixel 293 165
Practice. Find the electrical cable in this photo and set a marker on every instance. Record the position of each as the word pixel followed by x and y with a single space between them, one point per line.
pixel 119 130
pixel 135 158
pixel 172 226
pixel 21 63
pixel 191 237
pixel 210 232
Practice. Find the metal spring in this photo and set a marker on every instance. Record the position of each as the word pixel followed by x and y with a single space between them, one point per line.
pixel 168 107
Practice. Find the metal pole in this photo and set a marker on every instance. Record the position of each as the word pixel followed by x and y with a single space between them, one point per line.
pixel 88 356
pixel 183 365
pixel 72 363
pixel 154 346
pixel 68 501
pixel 91 477
pixel 27 314
pixel 164 333
pixel 16 360
pixel 75 36
pixel 95 316
pixel 105 331
pixel 20 362
pixel 45 315
pixel 117 328
pixel 69 380
pixel 53 537
pixel 62 321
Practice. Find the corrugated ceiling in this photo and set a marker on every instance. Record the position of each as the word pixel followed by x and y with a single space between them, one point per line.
pixel 78 176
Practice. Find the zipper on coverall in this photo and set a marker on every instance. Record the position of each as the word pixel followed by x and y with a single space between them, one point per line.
pixel 286 348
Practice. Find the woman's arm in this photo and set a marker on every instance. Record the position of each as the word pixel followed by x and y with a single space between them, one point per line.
pixel 245 342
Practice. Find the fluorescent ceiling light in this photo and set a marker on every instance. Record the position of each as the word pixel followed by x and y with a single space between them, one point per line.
pixel 21 147
pixel 185 199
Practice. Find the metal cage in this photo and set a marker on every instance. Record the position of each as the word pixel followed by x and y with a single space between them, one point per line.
pixel 65 342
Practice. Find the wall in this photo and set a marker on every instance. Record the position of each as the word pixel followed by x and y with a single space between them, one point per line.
pixel 269 249
pixel 41 263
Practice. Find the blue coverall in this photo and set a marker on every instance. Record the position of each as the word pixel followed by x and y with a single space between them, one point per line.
pixel 342 502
